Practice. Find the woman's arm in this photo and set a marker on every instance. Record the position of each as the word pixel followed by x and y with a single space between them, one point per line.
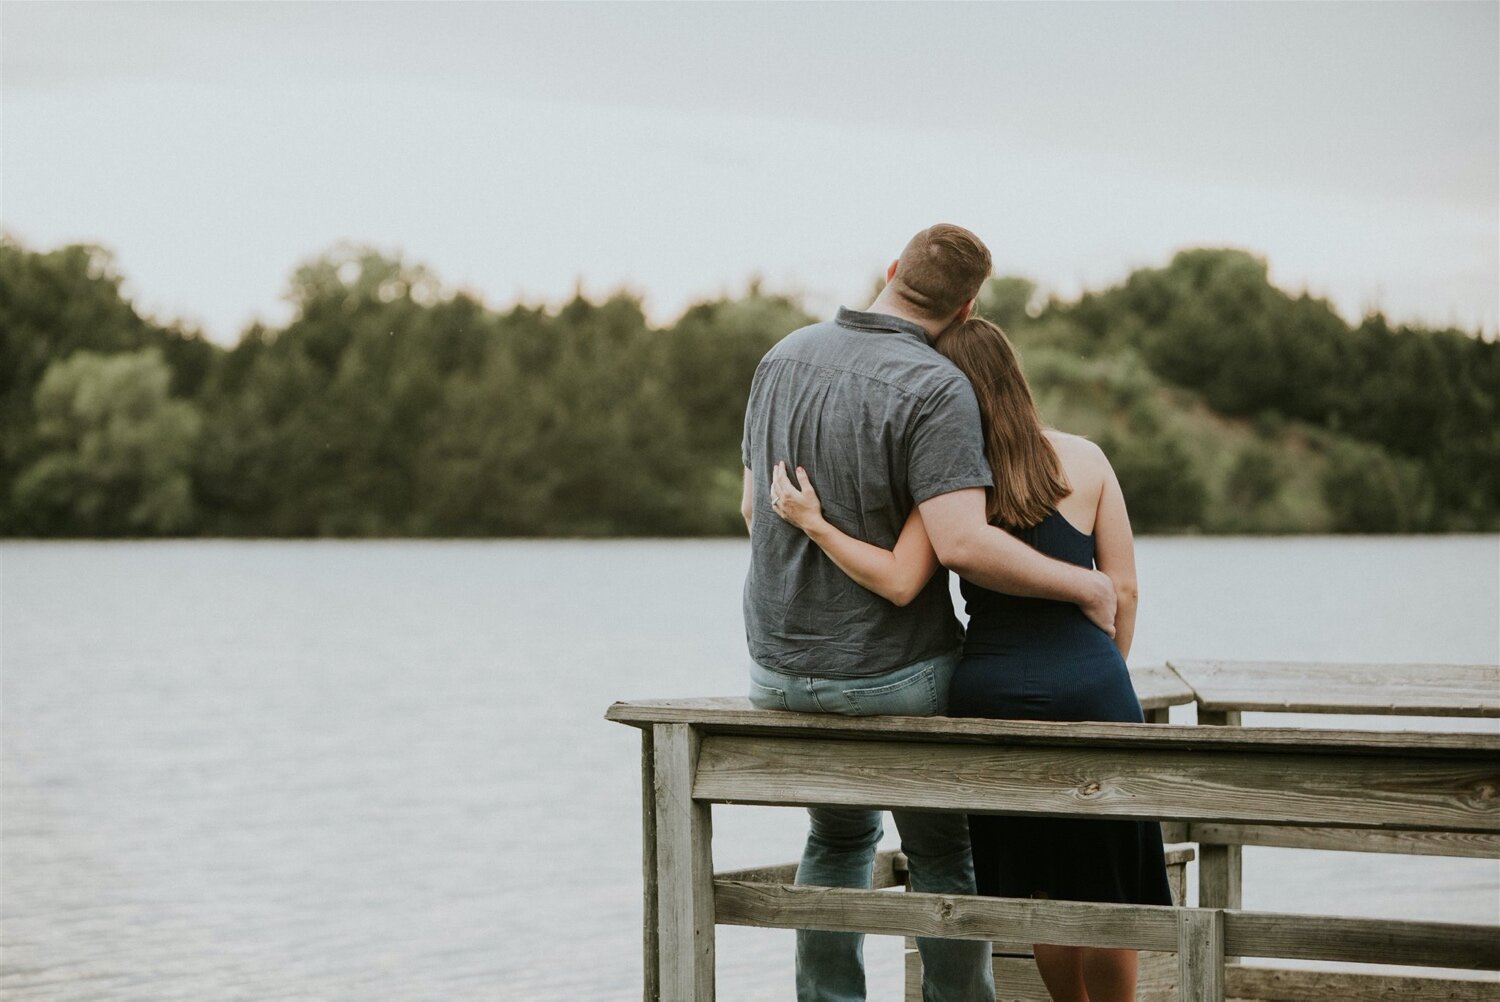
pixel 1114 554
pixel 897 576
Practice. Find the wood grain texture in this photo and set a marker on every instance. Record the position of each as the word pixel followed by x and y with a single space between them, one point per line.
pixel 890 871
pixel 1017 979
pixel 1200 954
pixel 734 715
pixel 1271 984
pixel 1350 840
pixel 1177 860
pixel 1361 940
pixel 1178 855
pixel 1174 831
pixel 1233 787
pixel 1158 687
pixel 908 913
pixel 684 870
pixel 1219 876
pixel 1146 927
pixel 650 953
pixel 1303 687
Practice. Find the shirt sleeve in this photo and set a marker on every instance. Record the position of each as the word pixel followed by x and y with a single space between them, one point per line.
pixel 947 444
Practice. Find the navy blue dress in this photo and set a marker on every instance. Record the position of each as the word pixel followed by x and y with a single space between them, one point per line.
pixel 1035 659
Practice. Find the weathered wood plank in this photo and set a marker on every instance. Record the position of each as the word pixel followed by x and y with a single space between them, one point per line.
pixel 1158 687
pixel 684 871
pixel 886 872
pixel 1174 831
pixel 1206 785
pixel 650 953
pixel 1301 687
pixel 1177 858
pixel 1361 940
pixel 1017 979
pixel 1220 872
pixel 1200 954
pixel 1219 876
pixel 1272 984
pixel 1157 977
pixel 1349 839
pixel 735 715
pixel 948 916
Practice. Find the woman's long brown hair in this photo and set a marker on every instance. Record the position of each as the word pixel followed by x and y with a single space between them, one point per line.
pixel 1029 479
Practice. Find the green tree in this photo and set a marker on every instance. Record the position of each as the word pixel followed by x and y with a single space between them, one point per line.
pixel 712 352
pixel 1368 490
pixel 52 305
pixel 115 449
pixel 1163 492
pixel 1252 479
pixel 1008 301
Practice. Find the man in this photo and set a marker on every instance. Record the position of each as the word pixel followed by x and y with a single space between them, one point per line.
pixel 882 423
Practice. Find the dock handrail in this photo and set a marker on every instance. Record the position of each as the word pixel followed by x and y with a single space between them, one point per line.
pixel 699 752
pixel 1225 690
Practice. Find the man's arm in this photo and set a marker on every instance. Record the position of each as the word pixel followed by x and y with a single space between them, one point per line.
pixel 973 549
pixel 747 498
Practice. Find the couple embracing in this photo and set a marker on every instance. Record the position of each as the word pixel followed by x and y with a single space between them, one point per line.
pixel 880 448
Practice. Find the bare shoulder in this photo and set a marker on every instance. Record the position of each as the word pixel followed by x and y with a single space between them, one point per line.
pixel 1083 461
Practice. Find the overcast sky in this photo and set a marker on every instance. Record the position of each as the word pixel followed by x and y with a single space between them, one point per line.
pixel 679 149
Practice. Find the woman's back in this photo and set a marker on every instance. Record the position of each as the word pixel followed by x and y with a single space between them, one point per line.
pixel 1039 659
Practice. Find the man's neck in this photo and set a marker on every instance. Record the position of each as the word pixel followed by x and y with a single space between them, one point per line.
pixel 892 306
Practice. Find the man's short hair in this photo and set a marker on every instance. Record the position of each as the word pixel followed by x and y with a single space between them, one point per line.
pixel 941 269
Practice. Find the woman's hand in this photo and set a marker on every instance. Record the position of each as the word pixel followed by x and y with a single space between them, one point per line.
pixel 898 575
pixel 799 506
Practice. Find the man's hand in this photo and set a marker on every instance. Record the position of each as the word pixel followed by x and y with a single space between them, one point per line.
pixel 1100 608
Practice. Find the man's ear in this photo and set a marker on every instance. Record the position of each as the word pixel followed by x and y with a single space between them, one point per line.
pixel 964 311
pixel 890 272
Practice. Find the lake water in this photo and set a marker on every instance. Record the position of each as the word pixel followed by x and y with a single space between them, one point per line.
pixel 379 771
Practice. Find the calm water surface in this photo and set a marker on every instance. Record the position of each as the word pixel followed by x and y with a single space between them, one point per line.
pixel 380 770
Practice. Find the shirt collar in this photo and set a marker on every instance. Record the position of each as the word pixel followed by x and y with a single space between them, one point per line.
pixel 882 322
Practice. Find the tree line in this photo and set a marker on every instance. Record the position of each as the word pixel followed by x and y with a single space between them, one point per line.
pixel 391 405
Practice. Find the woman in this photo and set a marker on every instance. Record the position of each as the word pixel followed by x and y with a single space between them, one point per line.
pixel 1027 658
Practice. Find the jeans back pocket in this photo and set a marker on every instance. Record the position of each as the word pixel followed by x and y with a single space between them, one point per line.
pixel 914 696
pixel 764 697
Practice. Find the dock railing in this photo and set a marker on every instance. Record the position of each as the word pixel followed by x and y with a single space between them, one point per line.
pixel 1227 785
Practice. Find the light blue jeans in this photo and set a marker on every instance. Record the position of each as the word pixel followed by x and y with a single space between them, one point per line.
pixel 841 841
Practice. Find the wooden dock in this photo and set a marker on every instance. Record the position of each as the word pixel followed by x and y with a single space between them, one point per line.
pixel 1216 784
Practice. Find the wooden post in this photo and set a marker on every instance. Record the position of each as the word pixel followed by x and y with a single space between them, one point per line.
pixel 1219 876
pixel 1220 869
pixel 1200 954
pixel 650 954
pixel 684 870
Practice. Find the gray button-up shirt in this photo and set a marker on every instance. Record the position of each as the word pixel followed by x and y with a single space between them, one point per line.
pixel 881 422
